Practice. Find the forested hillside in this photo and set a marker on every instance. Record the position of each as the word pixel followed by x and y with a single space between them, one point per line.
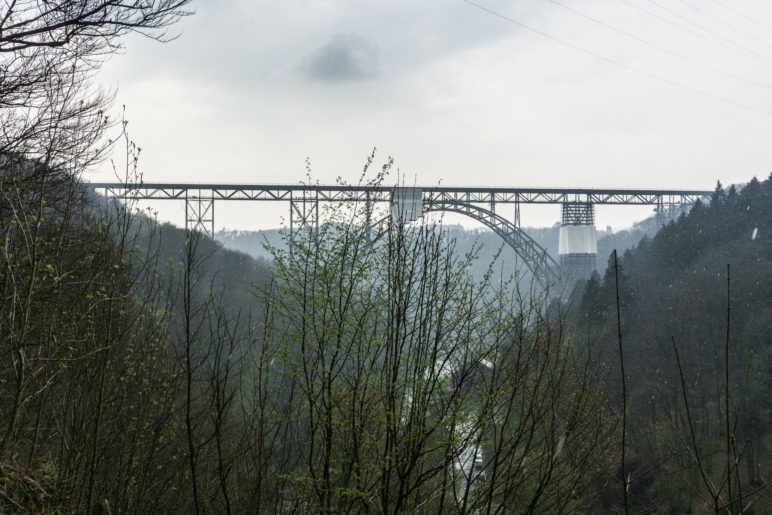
pixel 489 247
pixel 106 316
pixel 696 306
pixel 148 369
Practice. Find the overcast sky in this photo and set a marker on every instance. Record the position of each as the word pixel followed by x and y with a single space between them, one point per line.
pixel 651 94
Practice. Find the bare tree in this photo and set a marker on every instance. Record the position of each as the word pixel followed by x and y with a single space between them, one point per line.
pixel 49 53
pixel 419 390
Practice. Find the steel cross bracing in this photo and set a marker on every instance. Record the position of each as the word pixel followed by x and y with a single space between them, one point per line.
pixel 347 193
pixel 578 213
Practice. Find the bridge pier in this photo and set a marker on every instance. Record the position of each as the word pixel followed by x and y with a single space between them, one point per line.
pixel 578 248
pixel 660 216
pixel 406 204
pixel 199 213
pixel 304 214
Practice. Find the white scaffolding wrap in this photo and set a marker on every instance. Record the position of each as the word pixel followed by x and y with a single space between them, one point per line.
pixel 578 239
pixel 407 204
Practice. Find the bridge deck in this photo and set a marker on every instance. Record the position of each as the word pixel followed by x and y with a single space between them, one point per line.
pixel 349 193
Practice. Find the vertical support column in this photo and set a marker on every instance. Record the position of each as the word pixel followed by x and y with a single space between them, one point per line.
pixel 368 208
pixel 407 204
pixel 516 222
pixel 304 212
pixel 314 215
pixel 660 216
pixel 368 217
pixel 199 213
pixel 578 241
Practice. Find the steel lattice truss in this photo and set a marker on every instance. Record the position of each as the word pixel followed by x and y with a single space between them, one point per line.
pixel 304 203
pixel 431 194
pixel 537 259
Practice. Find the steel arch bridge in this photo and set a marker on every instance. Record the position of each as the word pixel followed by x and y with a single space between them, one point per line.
pixel 543 266
pixel 478 203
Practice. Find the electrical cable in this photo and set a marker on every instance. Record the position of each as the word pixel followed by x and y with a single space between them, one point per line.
pixel 696 34
pixel 719 20
pixel 661 48
pixel 615 62
pixel 738 13
pixel 687 20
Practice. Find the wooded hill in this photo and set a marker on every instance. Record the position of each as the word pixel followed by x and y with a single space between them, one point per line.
pixel 146 368
pixel 488 246
pixel 701 288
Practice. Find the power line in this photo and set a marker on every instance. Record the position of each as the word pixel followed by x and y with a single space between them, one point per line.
pixel 615 62
pixel 697 34
pixel 687 20
pixel 661 48
pixel 738 13
pixel 719 20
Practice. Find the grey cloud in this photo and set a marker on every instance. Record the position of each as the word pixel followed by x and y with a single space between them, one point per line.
pixel 344 57
pixel 255 42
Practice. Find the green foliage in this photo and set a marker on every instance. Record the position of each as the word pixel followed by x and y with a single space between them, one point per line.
pixel 400 366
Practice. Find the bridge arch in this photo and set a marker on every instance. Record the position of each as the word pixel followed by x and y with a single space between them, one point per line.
pixel 544 268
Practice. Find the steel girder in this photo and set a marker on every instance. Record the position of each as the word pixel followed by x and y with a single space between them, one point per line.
pixel 431 194
pixel 199 199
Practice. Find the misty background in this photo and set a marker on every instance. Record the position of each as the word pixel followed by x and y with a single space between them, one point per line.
pixel 456 94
